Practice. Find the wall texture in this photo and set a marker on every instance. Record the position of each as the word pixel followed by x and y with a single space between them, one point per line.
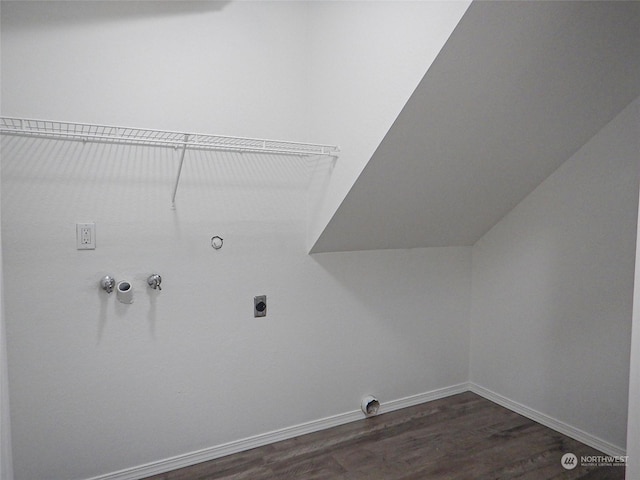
pixel 235 68
pixel 6 461
pixel 322 71
pixel 365 61
pixel 553 289
pixel 633 427
pixel 189 368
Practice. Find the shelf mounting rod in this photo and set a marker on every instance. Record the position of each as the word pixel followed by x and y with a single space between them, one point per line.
pixel 175 187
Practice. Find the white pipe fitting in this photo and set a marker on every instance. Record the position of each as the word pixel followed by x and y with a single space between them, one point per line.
pixel 370 405
pixel 124 292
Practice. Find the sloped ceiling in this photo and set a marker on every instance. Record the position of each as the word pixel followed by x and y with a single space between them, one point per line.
pixel 518 88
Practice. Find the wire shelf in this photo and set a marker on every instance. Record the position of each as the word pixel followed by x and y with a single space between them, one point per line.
pixel 87 132
pixel 141 136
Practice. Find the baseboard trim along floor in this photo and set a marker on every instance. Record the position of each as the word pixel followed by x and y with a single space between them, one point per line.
pixel 237 446
pixel 212 453
pixel 547 421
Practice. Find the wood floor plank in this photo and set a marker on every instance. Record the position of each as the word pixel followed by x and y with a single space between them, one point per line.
pixel 460 437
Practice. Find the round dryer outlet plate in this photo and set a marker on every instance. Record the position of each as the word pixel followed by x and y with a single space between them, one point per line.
pixel 216 242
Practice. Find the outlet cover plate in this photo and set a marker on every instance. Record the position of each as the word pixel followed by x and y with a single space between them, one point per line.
pixel 85 236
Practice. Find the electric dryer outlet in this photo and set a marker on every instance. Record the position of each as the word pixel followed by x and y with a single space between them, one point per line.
pixel 260 306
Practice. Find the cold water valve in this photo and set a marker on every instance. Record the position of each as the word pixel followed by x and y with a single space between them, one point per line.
pixel 154 281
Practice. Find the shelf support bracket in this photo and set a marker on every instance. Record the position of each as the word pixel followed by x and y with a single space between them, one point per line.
pixel 175 187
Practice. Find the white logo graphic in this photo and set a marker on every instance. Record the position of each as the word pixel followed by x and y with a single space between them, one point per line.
pixel 569 461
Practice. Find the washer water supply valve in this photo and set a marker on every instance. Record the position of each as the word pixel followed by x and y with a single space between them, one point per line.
pixel 154 281
pixel 108 283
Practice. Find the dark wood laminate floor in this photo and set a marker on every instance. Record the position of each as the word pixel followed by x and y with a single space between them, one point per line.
pixel 460 437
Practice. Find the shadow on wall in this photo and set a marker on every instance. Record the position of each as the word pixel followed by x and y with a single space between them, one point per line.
pixel 406 292
pixel 321 171
pixel 408 309
pixel 48 13
pixel 64 174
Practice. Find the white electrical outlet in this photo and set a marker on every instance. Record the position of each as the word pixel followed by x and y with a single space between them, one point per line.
pixel 85 236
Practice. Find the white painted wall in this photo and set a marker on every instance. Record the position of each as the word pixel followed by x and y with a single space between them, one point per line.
pixel 328 72
pixel 553 288
pixel 516 90
pixel 633 424
pixel 189 368
pixel 6 461
pixel 97 386
pixel 234 68
pixel 366 59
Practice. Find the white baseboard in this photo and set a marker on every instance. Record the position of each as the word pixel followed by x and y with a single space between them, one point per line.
pixel 412 400
pixel 241 445
pixel 547 421
pixel 237 446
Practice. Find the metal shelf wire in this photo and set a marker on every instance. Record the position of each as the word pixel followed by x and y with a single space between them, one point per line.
pixel 141 136
pixel 87 132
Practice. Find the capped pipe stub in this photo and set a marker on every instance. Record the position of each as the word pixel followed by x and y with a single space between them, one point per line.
pixel 124 292
pixel 370 405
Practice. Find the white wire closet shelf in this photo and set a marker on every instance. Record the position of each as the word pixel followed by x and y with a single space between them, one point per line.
pixel 87 132
pixel 142 136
